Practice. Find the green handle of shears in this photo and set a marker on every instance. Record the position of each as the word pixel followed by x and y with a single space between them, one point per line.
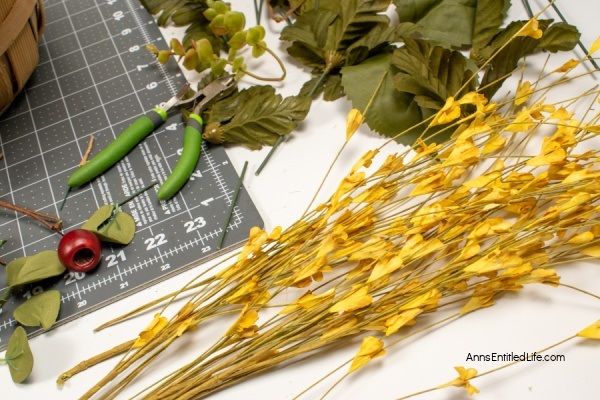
pixel 122 145
pixel 192 146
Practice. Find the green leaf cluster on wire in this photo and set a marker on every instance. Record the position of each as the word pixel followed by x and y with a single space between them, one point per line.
pixel 111 225
pixel 213 29
pixel 40 309
pixel 411 68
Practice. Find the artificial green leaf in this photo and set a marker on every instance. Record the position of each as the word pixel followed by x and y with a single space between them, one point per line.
pixel 263 118
pixel 341 33
pixel 446 21
pixel 356 18
pixel 39 310
pixel 391 112
pixel 559 37
pixel 299 6
pixel 42 265
pixel 431 73
pixel 489 16
pixel 376 40
pixel 309 35
pixel 330 86
pixel 111 225
pixel 18 356
pixel 181 12
pixel 223 110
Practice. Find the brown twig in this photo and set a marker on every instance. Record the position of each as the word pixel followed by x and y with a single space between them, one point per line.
pixel 48 221
pixel 88 150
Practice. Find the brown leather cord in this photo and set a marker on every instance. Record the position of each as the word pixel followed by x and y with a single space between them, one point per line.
pixel 21 26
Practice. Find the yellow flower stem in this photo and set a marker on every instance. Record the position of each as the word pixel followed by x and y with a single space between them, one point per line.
pixel 479 375
pixel 65 376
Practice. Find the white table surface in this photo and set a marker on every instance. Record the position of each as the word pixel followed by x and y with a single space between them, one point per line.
pixel 530 320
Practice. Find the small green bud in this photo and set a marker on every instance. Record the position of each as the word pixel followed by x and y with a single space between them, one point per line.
pixel 220 7
pixel 177 47
pixel 259 49
pixel 190 60
pixel 163 56
pixel 205 51
pixel 238 64
pixel 152 49
pixel 218 67
pixel 209 14
pixel 238 40
pixel 217 25
pixel 235 21
pixel 231 54
pixel 255 34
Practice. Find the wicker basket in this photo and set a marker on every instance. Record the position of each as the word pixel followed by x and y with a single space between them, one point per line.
pixel 21 26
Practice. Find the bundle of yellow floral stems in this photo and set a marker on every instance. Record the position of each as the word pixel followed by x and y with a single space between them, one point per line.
pixel 512 195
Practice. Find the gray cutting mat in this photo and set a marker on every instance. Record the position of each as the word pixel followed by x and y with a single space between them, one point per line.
pixel 95 77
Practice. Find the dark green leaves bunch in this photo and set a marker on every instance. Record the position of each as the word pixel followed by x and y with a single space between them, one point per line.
pixel 352 47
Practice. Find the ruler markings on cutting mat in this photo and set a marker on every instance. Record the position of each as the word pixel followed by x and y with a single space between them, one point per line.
pixel 95 77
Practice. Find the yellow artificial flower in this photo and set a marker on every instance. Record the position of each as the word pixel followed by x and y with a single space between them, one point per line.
pixel 592 251
pixel 464 153
pixel 370 348
pixel 428 183
pixel 591 332
pixel 477 302
pixel 524 92
pixel 595 47
pixel 358 298
pixel 244 327
pixel 552 153
pixel 566 67
pixel 385 266
pixel 341 327
pixel 522 122
pixel 155 326
pixel 309 301
pixel 365 160
pixel 394 323
pixel 531 29
pixel 582 238
pixel 354 119
pixel 449 112
pixel 464 375
pixel 494 143
pixel 426 302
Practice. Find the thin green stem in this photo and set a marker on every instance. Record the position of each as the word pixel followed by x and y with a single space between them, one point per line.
pixel 269 154
pixel 65 198
pixel 318 83
pixel 232 205
pixel 528 8
pixel 133 196
pixel 579 42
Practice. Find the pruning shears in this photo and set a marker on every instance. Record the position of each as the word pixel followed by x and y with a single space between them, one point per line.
pixel 149 122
